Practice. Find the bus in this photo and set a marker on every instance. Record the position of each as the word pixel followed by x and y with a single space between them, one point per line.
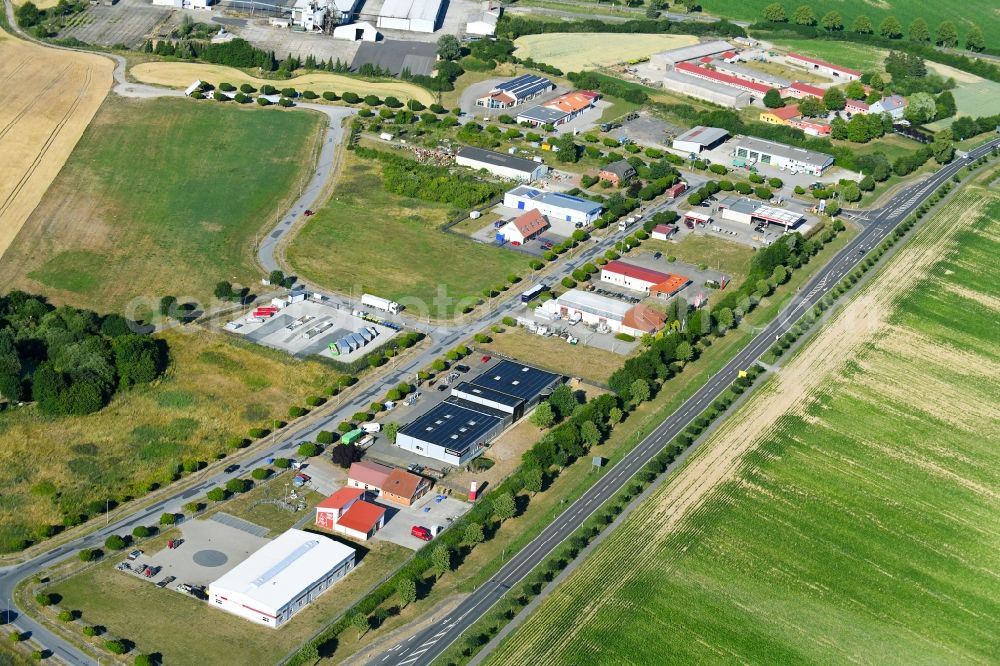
pixel 532 293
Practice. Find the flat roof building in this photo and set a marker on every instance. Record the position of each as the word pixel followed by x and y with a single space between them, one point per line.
pixel 642 279
pixel 454 432
pixel 560 110
pixel 518 90
pixel 280 579
pixel 500 164
pixel 509 386
pixel 748 211
pixel 782 155
pixel 553 205
pixel 750 74
pixel 602 312
pixel 412 15
pixel 700 138
pixel 756 89
pixel 667 59
pixel 703 89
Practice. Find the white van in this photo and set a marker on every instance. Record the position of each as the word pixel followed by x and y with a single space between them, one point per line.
pixel 371 427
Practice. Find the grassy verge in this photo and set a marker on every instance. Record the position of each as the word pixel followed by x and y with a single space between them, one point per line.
pixel 161 197
pixel 588 363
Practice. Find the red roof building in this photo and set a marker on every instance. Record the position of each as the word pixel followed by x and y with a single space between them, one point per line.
pixel 663 231
pixel 404 488
pixel 799 90
pixel 824 66
pixel 368 475
pixel 643 319
pixel 719 77
pixel 670 286
pixel 333 507
pixel 812 126
pixel 361 521
pixel 643 279
pixel 524 227
pixel 856 106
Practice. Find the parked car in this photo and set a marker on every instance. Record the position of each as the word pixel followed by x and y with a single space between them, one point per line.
pixel 134 555
pixel 485 359
pixel 231 468
pixel 166 581
pixel 421 533
pixel 461 368
pixel 415 468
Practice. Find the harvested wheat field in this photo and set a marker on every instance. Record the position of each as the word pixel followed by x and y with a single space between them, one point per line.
pixel 50 98
pixel 182 74
pixel 574 52
pixel 850 511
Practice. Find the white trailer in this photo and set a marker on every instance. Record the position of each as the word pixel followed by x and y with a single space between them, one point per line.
pixel 380 303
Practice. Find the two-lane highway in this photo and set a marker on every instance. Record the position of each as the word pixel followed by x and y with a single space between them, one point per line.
pixel 427 645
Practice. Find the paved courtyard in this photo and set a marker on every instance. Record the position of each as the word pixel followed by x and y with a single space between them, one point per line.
pixel 430 510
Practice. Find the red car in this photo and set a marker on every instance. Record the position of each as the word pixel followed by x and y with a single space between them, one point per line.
pixel 421 533
pixel 485 359
pixel 308 213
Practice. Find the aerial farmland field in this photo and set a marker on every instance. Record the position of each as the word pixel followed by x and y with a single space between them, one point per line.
pixel 848 512
pixel 575 52
pixel 50 98
pixel 161 197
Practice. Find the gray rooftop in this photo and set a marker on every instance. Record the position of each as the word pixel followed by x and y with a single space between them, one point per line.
pixel 685 53
pixel 557 199
pixel 595 304
pixel 497 159
pixel 455 424
pixel 621 168
pixel 542 114
pixel 742 72
pixel 783 150
pixel 702 135
pixel 515 379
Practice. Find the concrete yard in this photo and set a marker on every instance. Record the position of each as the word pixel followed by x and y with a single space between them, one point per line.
pixel 428 511
pixel 308 327
pixel 128 22
pixel 209 550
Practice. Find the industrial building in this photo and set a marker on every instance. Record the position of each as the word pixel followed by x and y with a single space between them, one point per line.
pixel 755 89
pixel 751 74
pixel 798 90
pixel 753 150
pixel 554 205
pixel 642 279
pixel 454 432
pixel 312 15
pixel 709 91
pixel 485 24
pixel 412 15
pixel 500 164
pixel 361 31
pixel 752 212
pixel 700 138
pixel 560 110
pixel 664 231
pixel 603 313
pixel 823 67
pixel 516 91
pixel 477 412
pixel 280 579
pixel 666 60
pixel 524 228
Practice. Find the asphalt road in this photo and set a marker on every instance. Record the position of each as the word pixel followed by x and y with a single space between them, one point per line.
pixel 424 647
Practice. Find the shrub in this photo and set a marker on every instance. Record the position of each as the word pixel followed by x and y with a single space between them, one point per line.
pixel 568 282
pixel 330 96
pixel 216 494
pixel 314 401
pixel 308 449
pixel 257 433
pixel 325 437
pixel 141 532
pixel 309 94
pixel 260 473
pixel 66 616
pixel 90 631
pixel 285 102
pixel 625 337
pixel 115 542
pixel 282 463
pixel 295 412
pixel 89 554
pixel 45 599
pixel 115 646
pixel 268 89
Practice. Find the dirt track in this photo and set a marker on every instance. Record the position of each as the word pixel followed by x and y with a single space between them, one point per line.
pixel 51 97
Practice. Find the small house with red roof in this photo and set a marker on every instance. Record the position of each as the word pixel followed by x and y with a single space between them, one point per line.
pixel 525 227
pixel 329 511
pixel 361 520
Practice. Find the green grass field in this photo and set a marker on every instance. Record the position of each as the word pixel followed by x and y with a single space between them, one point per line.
pixel 981 98
pixel 366 239
pixel 861 524
pixel 846 54
pixel 984 13
pixel 161 197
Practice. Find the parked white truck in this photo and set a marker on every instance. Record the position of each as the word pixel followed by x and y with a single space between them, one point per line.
pixel 383 304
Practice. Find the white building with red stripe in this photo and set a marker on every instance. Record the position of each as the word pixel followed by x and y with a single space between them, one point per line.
pixel 725 79
pixel 282 578
pixel 826 68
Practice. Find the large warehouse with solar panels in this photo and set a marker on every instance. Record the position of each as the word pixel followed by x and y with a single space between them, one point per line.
pixel 516 91
pixel 282 578
pixel 477 412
